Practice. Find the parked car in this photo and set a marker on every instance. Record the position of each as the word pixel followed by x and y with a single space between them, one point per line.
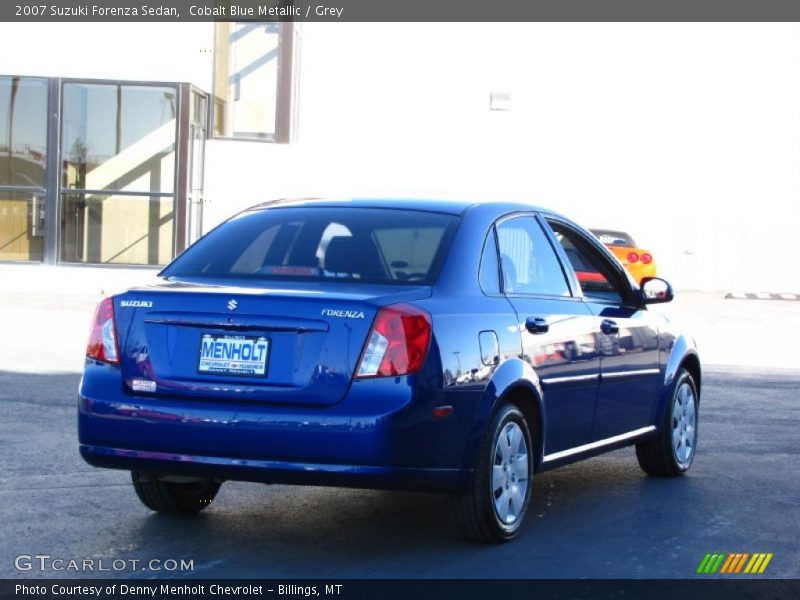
pixel 428 345
pixel 637 260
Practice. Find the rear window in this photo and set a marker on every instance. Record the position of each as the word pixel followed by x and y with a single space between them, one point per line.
pixel 614 238
pixel 371 245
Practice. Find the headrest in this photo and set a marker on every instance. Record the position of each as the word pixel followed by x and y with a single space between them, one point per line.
pixel 354 255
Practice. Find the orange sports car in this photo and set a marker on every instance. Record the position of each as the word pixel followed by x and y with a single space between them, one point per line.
pixel 639 262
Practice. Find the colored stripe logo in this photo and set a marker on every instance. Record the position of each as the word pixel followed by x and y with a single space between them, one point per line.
pixel 731 564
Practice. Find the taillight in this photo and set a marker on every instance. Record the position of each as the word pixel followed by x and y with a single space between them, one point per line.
pixel 103 335
pixel 633 257
pixel 397 343
pixel 646 258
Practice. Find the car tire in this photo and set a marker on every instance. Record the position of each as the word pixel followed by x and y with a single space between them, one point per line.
pixel 497 481
pixel 671 452
pixel 173 498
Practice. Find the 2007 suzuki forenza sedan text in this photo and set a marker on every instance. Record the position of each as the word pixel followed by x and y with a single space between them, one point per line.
pixel 398 344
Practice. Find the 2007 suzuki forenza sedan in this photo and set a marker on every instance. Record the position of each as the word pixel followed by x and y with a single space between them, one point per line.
pixel 387 344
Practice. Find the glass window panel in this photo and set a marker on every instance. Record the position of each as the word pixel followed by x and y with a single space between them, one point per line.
pixel 331 243
pixel 595 275
pixel 119 137
pixel 23 131
pixel 21 226
pixel 246 79
pixel 114 229
pixel 527 260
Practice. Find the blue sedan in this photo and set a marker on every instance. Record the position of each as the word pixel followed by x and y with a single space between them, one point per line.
pixel 400 344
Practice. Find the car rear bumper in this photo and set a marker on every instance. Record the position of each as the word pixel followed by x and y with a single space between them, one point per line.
pixel 270 471
pixel 381 435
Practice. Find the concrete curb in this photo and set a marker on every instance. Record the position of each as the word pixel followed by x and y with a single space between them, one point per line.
pixel 760 296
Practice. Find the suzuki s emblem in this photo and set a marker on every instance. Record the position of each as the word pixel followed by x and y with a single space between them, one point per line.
pixel 232 304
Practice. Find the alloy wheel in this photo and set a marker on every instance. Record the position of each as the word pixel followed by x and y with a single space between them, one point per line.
pixel 684 425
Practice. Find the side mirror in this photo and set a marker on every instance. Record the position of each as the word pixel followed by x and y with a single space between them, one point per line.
pixel 654 290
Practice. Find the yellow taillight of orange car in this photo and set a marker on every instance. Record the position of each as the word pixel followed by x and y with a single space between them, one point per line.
pixel 639 262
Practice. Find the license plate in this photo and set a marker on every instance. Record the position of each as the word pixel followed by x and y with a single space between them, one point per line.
pixel 234 355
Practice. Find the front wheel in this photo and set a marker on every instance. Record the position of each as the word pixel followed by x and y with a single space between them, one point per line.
pixel 671 453
pixel 174 497
pixel 493 507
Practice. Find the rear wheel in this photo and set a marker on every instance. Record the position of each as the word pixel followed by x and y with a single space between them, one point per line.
pixel 671 453
pixel 174 497
pixel 493 507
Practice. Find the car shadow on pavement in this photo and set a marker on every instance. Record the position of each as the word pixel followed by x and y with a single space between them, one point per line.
pixel 277 530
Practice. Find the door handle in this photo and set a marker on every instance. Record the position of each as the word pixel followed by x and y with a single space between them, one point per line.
pixel 536 325
pixel 609 327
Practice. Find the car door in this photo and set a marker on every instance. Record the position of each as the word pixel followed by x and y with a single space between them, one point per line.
pixel 556 328
pixel 627 335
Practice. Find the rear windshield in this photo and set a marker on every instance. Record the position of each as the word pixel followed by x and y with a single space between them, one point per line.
pixel 370 245
pixel 614 238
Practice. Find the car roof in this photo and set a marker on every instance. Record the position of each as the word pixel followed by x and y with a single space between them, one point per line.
pixel 618 232
pixel 447 206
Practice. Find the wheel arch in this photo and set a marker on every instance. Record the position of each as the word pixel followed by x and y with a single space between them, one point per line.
pixel 515 382
pixel 682 352
pixel 691 362
pixel 683 355
pixel 531 405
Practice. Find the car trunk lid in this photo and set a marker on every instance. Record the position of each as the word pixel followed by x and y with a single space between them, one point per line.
pixel 278 343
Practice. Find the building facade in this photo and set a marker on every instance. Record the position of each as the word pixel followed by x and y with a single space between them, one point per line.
pixel 106 170
pixel 120 144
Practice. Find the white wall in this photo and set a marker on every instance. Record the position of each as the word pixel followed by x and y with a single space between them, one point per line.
pixel 687 135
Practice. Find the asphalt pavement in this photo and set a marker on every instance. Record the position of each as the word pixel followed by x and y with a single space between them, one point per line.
pixel 599 518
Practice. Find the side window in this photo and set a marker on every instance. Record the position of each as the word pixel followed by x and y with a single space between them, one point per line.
pixel 489 277
pixel 596 277
pixel 527 261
